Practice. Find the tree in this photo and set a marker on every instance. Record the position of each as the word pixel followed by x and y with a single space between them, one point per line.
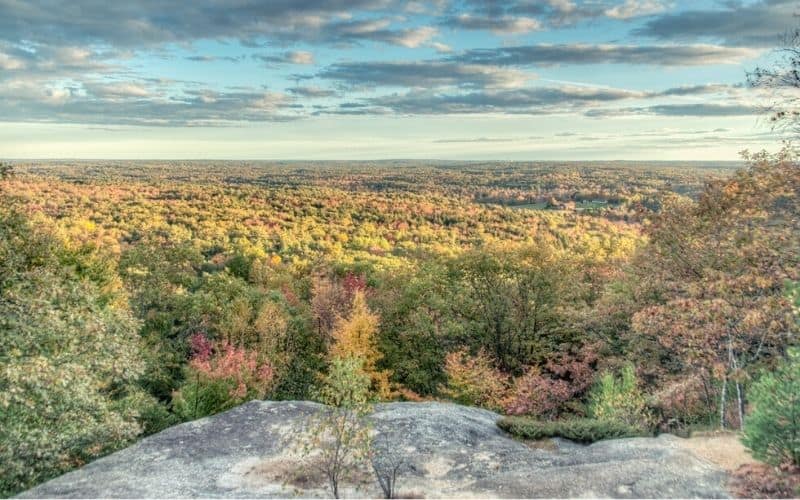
pixel 6 170
pixel 332 299
pixel 516 302
pixel 553 389
pixel 416 319
pixel 620 399
pixel 356 336
pixel 772 430
pixel 711 278
pixel 221 376
pixel 784 81
pixel 69 360
pixel 473 380
pixel 387 464
pixel 339 439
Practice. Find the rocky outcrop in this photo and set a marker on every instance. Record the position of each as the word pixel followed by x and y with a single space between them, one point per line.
pixel 448 450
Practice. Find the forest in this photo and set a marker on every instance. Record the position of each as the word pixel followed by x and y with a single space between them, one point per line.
pixel 579 299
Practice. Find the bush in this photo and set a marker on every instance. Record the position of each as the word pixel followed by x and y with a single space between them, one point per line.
pixel 154 416
pixel 619 399
pixel 555 391
pixel 581 430
pixel 772 430
pixel 759 480
pixel 473 381
pixel 220 376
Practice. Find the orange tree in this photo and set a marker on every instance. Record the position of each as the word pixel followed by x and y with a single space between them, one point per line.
pixel 710 291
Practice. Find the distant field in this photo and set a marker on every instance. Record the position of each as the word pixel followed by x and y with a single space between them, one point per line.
pixel 530 206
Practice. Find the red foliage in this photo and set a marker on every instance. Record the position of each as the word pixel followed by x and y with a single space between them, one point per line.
pixel 548 393
pixel 353 283
pixel 200 346
pixel 225 361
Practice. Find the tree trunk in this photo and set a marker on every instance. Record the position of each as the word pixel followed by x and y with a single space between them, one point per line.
pixel 722 402
pixel 740 404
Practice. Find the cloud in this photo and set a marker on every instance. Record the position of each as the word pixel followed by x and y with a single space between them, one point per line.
pixel 566 99
pixel 441 48
pixel 117 90
pixel 475 140
pixel 422 74
pixel 706 88
pixel 536 100
pixel 311 92
pixel 503 25
pixel 758 24
pixel 681 110
pixel 375 30
pixel 656 55
pixel 207 58
pixel 154 22
pixel 136 103
pixel 9 62
pixel 85 61
pixel 411 38
pixel 64 61
pixel 291 57
pixel 635 8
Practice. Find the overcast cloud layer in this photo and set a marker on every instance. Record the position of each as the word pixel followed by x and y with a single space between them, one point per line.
pixel 208 63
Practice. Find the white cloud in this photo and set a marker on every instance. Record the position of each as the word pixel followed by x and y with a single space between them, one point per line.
pixel 636 8
pixel 300 57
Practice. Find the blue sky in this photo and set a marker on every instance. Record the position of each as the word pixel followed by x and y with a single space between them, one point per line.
pixel 371 79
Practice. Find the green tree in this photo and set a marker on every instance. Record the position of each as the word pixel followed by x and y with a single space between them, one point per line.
pixel 69 360
pixel 772 430
pixel 620 399
pixel 416 323
pixel 6 170
pixel 339 440
pixel 516 302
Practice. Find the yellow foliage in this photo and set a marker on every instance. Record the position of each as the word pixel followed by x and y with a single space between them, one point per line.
pixel 356 336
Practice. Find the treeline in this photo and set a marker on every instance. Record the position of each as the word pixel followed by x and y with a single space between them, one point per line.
pixel 624 186
pixel 136 305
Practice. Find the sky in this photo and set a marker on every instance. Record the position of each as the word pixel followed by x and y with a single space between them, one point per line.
pixel 375 79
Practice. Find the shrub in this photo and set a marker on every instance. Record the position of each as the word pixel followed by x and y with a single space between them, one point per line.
pixel 582 430
pixel 553 392
pixel 772 430
pixel 619 399
pixel 473 381
pixel 759 480
pixel 154 416
pixel 220 377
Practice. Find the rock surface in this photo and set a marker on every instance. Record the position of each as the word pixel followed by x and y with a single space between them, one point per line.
pixel 449 451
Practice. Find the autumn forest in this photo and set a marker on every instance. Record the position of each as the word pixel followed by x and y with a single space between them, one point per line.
pixel 140 295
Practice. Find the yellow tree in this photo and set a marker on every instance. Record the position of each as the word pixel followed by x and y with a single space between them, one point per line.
pixel 356 336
